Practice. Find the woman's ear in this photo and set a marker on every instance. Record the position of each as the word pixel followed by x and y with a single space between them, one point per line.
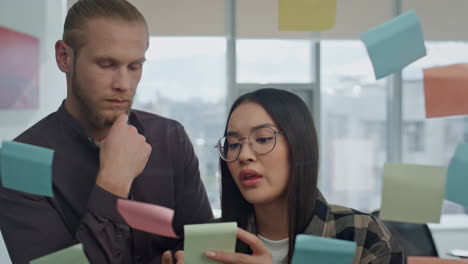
pixel 63 56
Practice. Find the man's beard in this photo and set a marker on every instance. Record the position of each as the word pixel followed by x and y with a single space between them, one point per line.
pixel 90 111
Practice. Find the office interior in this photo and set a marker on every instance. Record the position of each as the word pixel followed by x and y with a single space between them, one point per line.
pixel 205 53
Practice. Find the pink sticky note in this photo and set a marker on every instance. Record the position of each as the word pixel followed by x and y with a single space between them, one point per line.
pixel 446 90
pixel 146 217
pixel 19 70
pixel 434 260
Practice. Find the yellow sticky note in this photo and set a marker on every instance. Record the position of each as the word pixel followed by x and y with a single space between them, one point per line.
pixel 413 193
pixel 306 15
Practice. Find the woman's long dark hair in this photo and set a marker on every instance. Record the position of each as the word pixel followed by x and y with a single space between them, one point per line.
pixel 293 117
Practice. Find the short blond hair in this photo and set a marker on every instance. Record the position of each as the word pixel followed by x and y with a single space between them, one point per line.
pixel 85 10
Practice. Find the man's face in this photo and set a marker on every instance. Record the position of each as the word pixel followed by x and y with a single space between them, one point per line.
pixel 107 70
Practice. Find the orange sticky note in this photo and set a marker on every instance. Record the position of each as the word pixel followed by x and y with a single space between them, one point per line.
pixel 306 15
pixel 446 90
pixel 146 217
pixel 434 260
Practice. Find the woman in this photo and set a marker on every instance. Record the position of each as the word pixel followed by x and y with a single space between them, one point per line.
pixel 269 168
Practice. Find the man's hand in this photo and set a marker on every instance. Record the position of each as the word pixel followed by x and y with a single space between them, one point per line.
pixel 123 156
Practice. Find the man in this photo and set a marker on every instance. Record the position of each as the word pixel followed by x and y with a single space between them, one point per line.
pixel 104 150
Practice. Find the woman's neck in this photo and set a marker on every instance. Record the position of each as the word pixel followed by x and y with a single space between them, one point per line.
pixel 272 220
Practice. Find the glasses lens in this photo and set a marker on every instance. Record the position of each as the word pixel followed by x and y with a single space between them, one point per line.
pixel 228 148
pixel 263 139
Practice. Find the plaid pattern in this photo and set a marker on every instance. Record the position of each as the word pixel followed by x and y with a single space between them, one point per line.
pixel 375 244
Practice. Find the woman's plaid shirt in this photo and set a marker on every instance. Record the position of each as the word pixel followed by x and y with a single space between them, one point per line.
pixel 375 244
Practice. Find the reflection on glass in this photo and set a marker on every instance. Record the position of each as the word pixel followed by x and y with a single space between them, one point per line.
pixel 184 78
pixel 431 141
pixel 274 61
pixel 353 126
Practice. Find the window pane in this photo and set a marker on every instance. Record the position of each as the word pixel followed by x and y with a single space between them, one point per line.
pixel 353 126
pixel 431 141
pixel 184 78
pixel 274 61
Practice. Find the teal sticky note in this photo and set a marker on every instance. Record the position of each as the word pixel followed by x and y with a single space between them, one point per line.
pixel 70 255
pixel 457 177
pixel 395 44
pixel 323 250
pixel 26 168
pixel 202 237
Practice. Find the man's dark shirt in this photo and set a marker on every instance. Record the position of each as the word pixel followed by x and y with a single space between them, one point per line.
pixel 82 212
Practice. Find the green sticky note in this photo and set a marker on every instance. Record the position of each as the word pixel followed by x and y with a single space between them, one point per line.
pixel 413 193
pixel 202 237
pixel 70 255
pixel 323 250
pixel 306 15
pixel 26 168
pixel 395 44
pixel 457 177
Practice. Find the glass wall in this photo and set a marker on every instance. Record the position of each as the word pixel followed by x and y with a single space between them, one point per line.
pixel 184 79
pixel 353 113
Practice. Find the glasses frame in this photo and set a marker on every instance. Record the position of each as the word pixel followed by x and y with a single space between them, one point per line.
pixel 219 147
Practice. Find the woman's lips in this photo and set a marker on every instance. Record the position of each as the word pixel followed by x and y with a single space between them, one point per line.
pixel 249 177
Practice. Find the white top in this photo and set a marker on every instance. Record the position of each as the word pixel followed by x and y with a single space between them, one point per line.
pixel 278 249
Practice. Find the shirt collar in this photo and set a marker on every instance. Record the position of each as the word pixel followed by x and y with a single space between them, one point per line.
pixel 320 218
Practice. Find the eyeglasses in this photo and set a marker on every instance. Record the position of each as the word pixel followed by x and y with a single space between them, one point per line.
pixel 262 140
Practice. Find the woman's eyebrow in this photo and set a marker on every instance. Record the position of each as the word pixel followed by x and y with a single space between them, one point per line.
pixel 263 125
pixel 234 133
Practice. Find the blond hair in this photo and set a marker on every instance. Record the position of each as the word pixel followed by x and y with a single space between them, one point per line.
pixel 85 10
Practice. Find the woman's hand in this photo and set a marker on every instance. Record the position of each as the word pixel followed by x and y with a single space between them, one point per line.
pixel 167 257
pixel 260 255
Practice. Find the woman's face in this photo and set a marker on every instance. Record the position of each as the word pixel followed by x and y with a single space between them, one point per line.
pixel 261 178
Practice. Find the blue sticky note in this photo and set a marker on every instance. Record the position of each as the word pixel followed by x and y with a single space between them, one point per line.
pixel 457 177
pixel 395 44
pixel 323 250
pixel 26 168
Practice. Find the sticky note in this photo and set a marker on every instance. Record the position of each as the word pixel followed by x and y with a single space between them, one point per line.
pixel 4 256
pixel 19 67
pixel 202 237
pixel 26 168
pixel 413 193
pixel 434 260
pixel 70 255
pixel 306 15
pixel 395 44
pixel 150 218
pixel 446 90
pixel 457 177
pixel 323 250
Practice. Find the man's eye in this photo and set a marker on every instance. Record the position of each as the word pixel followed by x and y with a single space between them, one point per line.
pixel 136 66
pixel 106 65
